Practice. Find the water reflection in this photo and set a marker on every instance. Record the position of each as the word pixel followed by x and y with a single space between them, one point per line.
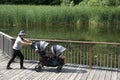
pixel 109 33
pixel 51 32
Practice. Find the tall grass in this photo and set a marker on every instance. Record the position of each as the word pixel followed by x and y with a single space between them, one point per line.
pixel 15 15
pixel 91 22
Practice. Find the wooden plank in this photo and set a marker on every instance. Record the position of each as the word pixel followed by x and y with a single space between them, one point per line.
pixel 97 75
pixel 102 75
pixel 75 73
pixel 21 73
pixel 29 74
pixel 3 63
pixel 38 77
pixel 52 74
pixel 2 58
pixel 12 71
pixel 80 74
pixel 114 75
pixel 91 75
pixel 85 75
pixel 108 75
pixel 45 73
pixel 66 73
pixel 8 73
pixel 49 73
pixel 56 75
pixel 118 75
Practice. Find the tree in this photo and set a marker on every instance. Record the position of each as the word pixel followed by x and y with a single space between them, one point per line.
pixel 101 2
pixel 77 1
pixel 36 2
pixel 111 2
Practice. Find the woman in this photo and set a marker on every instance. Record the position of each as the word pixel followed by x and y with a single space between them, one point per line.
pixel 16 49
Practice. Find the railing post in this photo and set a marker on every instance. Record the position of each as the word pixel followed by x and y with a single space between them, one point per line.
pixel 12 43
pixel 13 40
pixel 90 56
pixel 3 44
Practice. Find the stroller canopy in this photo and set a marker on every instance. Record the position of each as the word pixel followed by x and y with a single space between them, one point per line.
pixel 57 50
pixel 41 45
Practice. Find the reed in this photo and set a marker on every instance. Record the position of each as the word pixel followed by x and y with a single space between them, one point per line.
pixel 15 15
pixel 90 21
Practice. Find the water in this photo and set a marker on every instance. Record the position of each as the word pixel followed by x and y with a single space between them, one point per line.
pixel 68 32
pixel 45 32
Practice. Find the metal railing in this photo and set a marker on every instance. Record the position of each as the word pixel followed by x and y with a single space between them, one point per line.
pixel 6 44
pixel 90 54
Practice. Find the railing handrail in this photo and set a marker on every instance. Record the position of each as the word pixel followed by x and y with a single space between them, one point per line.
pixel 54 40
pixel 10 37
pixel 84 42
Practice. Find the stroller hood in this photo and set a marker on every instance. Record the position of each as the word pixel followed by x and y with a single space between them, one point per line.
pixel 57 50
pixel 41 45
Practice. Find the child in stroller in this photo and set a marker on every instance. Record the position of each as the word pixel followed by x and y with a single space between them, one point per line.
pixel 53 60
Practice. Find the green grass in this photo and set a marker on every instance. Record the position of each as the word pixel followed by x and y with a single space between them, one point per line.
pixel 19 15
pixel 91 23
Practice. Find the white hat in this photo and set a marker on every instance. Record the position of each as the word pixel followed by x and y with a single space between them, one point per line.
pixel 22 32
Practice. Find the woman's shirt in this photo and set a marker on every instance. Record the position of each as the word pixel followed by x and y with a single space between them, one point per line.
pixel 17 45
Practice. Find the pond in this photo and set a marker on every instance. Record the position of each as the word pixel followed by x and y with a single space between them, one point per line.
pixel 68 32
pixel 46 32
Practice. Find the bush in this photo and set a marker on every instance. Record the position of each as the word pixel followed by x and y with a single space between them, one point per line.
pixel 100 3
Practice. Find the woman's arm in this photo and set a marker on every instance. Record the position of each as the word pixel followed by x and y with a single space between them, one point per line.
pixel 28 41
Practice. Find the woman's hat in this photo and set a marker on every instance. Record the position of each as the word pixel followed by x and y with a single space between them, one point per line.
pixel 22 32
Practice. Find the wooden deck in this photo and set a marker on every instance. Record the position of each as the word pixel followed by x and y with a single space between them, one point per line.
pixel 49 73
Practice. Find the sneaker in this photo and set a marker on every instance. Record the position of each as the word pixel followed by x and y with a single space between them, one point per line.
pixel 23 68
pixel 8 68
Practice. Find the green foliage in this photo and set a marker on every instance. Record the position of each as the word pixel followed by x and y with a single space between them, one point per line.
pixel 111 2
pixel 100 3
pixel 35 2
pixel 91 22
pixel 77 1
pixel 29 15
pixel 64 2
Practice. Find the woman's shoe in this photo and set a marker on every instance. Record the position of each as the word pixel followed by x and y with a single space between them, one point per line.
pixel 23 68
pixel 8 68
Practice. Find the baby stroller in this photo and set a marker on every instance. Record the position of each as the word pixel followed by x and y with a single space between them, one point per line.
pixel 54 60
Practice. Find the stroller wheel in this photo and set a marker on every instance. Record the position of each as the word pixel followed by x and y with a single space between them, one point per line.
pixel 38 68
pixel 59 68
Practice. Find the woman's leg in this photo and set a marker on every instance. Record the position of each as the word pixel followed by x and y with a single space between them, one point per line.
pixel 21 58
pixel 11 60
